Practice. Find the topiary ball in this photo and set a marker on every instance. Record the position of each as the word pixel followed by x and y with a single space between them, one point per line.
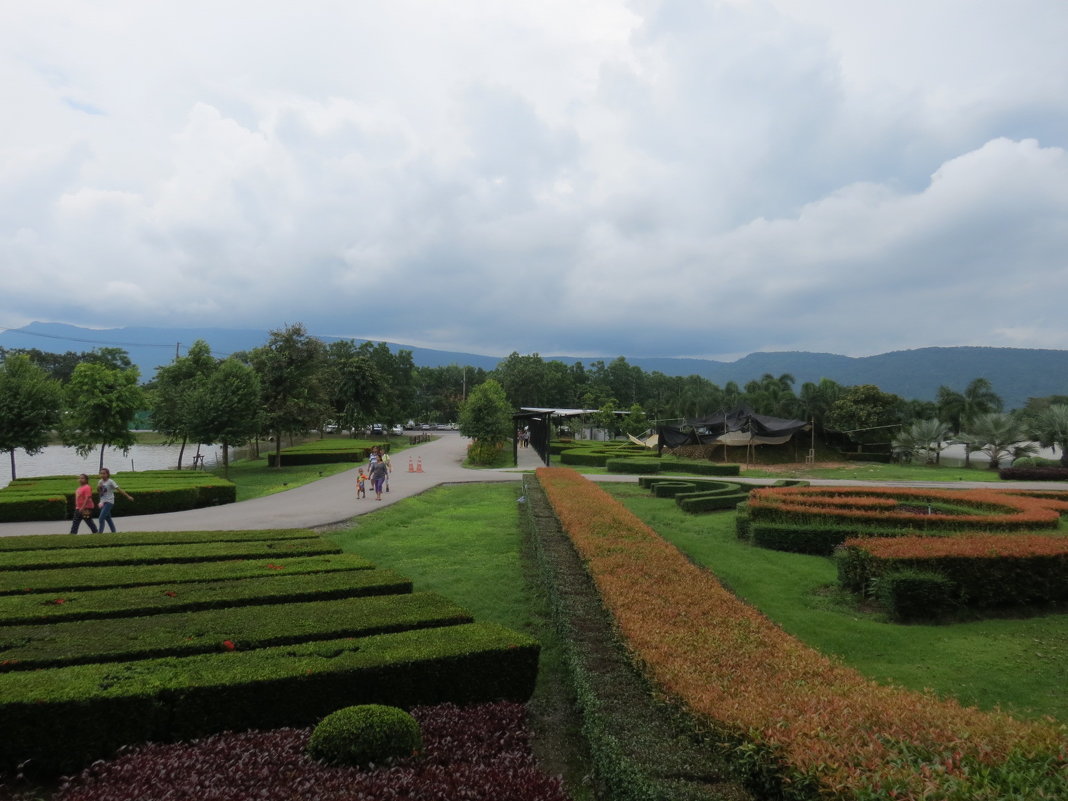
pixel 360 735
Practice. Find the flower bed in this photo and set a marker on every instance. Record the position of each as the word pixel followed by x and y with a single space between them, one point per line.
pixel 804 726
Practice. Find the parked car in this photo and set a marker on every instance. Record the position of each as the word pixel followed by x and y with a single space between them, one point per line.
pixel 378 430
pixel 397 430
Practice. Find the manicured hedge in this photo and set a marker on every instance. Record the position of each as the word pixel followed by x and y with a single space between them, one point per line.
pixel 38 542
pixel 669 489
pixel 982 572
pixel 233 628
pixel 39 607
pixel 94 578
pixel 325 451
pixel 801 725
pixel 633 465
pixel 702 468
pixel 154 491
pixel 158 554
pixel 59 719
pixel 586 457
pixel 705 501
pixel 1033 473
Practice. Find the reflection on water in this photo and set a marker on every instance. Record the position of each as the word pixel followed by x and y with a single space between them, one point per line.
pixel 57 460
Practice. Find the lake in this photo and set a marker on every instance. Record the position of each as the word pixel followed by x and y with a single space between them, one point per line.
pixel 57 460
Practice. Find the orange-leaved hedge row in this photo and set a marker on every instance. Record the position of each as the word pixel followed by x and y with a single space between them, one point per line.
pixel 803 725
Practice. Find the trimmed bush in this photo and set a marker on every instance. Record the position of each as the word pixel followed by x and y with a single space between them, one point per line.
pixel 669 489
pixel 633 465
pixel 97 578
pixel 1033 473
pixel 39 542
pixel 695 502
pixel 19 507
pixel 585 457
pixel 60 719
pixel 238 628
pixel 915 594
pixel 366 734
pixel 156 598
pixel 702 468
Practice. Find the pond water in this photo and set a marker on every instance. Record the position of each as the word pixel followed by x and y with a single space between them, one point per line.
pixel 57 460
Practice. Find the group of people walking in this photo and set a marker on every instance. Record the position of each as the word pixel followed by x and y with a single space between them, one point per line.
pixel 84 504
pixel 378 469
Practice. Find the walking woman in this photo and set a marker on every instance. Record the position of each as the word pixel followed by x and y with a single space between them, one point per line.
pixel 106 489
pixel 83 505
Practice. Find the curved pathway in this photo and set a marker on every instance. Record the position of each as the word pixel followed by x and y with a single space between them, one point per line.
pixel 332 500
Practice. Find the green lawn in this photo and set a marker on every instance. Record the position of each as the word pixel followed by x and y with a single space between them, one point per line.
pixel 1018 664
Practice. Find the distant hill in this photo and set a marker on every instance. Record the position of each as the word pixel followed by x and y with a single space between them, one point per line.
pixel 1015 373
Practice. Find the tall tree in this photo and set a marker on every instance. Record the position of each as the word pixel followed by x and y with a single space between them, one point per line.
pixel 224 408
pixel 866 413
pixel 353 385
pixel 169 392
pixel 102 403
pixel 289 369
pixel 998 436
pixel 959 409
pixel 30 406
pixel 486 417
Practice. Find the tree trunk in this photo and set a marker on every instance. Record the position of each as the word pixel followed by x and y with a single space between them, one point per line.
pixel 12 452
pixel 278 450
pixel 226 460
pixel 103 445
pixel 181 452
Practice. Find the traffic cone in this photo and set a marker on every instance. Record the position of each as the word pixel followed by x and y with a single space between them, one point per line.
pixel 411 467
pixel 419 465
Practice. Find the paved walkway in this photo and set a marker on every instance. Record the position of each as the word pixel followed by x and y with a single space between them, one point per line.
pixel 333 499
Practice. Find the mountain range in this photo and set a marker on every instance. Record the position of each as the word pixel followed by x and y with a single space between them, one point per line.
pixel 1015 373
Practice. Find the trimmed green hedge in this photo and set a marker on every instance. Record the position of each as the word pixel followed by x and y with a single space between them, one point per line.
pixel 156 598
pixel 325 451
pixel 236 628
pixel 702 468
pixel 633 465
pixel 911 595
pixel 669 489
pixel 38 542
pixel 158 554
pixel 585 457
pixel 95 578
pixel 695 502
pixel 808 538
pixel 60 719
pixel 154 491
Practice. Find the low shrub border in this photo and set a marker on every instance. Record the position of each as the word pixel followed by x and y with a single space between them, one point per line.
pixel 233 628
pixel 59 719
pixel 96 578
pixel 982 571
pixel 805 727
pixel 636 465
pixel 156 598
pixel 1033 473
pixel 158 554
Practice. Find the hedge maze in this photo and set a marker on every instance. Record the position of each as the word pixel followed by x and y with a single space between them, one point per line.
pixel 325 451
pixel 795 723
pixel 124 638
pixel 922 552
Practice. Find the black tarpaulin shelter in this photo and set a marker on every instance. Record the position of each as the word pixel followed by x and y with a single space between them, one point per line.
pixel 741 427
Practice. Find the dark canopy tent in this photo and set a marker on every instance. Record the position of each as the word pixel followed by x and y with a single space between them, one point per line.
pixel 742 426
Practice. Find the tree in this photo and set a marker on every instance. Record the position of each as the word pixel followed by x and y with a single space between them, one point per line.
pixel 1051 429
pixel 169 393
pixel 290 387
pixel 923 438
pixel 224 407
pixel 30 406
pixel 353 385
pixel 960 408
pixel 997 435
pixel 866 414
pixel 486 417
pixel 636 422
pixel 102 402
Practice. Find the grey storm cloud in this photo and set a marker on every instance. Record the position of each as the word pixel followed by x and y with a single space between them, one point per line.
pixel 663 177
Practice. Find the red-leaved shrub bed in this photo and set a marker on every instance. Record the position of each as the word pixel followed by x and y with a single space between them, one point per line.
pixel 474 753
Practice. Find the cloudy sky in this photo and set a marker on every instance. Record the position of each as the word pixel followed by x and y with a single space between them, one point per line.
pixel 576 177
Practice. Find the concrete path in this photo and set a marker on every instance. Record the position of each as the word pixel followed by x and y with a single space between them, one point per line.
pixel 325 502
pixel 333 499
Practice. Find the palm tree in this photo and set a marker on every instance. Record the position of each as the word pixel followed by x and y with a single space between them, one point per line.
pixel 961 408
pixel 924 437
pixel 997 435
pixel 1051 429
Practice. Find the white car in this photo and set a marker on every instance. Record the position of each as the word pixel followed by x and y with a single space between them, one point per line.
pixel 397 431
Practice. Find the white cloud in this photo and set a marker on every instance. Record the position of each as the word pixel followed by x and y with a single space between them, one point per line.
pixel 644 178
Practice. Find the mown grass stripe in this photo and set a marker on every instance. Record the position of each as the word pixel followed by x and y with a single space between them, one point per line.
pixel 236 628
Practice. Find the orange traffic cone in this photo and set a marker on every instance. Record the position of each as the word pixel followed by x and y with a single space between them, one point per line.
pixel 419 465
pixel 411 467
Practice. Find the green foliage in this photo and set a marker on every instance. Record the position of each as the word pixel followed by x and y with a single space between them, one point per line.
pixel 1051 428
pixel 915 594
pixel 366 734
pixel 224 409
pixel 866 414
pixel 633 465
pixel 999 436
pixel 486 416
pixel 101 402
pixel 30 405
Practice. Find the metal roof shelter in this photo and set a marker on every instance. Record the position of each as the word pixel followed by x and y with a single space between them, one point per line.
pixel 538 420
